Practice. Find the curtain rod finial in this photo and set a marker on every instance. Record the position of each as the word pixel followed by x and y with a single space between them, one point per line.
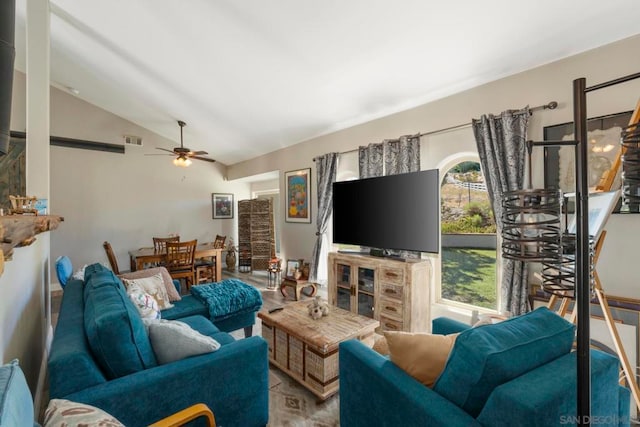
pixel 552 105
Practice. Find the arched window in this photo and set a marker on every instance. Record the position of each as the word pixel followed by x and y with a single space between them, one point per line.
pixel 468 244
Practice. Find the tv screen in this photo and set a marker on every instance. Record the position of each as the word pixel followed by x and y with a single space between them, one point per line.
pixel 400 212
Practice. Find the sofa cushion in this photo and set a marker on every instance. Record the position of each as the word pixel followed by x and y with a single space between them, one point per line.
pixel 175 340
pixel 115 332
pixel 187 306
pixel 487 356
pixel 100 278
pixel 16 406
pixel 92 269
pixel 62 412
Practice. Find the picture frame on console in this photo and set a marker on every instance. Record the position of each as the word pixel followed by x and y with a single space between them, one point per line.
pixel 222 205
pixel 298 195
pixel 292 266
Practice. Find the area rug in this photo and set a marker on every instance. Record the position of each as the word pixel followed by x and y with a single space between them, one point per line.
pixel 290 404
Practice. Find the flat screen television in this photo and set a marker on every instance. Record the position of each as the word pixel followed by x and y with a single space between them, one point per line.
pixel 395 212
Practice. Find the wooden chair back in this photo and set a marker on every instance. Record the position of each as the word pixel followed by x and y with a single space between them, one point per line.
pixel 219 242
pixel 180 255
pixel 160 243
pixel 111 257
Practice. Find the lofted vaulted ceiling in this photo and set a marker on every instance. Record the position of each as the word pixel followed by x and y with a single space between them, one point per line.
pixel 253 76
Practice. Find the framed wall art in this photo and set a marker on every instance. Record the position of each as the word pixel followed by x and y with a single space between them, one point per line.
pixel 298 191
pixel 222 204
pixel 603 134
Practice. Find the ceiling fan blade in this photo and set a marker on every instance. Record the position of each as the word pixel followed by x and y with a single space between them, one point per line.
pixel 149 154
pixel 206 159
pixel 164 149
pixel 196 153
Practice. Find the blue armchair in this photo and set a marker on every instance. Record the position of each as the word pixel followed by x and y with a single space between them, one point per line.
pixel 520 372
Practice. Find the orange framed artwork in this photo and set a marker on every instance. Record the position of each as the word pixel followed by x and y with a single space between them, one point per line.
pixel 298 187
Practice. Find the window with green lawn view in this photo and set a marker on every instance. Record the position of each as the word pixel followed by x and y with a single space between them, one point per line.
pixel 468 258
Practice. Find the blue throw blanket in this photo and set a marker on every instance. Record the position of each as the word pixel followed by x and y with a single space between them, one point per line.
pixel 228 297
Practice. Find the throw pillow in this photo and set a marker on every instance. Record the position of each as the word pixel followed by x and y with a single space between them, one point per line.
pixel 16 406
pixel 79 274
pixel 154 286
pixel 65 413
pixel 489 319
pixel 174 340
pixel 421 355
pixel 381 346
pixel 145 303
pixel 166 279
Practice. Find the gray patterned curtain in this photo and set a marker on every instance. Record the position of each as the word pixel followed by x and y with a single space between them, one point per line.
pixel 326 169
pixel 502 148
pixel 391 157
pixel 402 155
pixel 370 160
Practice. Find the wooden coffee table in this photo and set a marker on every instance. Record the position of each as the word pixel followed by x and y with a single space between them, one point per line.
pixel 307 349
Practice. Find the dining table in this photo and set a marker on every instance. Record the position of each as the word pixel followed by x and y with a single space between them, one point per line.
pixel 139 257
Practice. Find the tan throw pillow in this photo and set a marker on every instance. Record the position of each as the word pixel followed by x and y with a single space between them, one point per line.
pixel 166 279
pixel 421 355
pixel 65 413
pixel 381 346
pixel 154 286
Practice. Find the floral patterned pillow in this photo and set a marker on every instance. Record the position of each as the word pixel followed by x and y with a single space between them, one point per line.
pixel 146 304
pixel 65 413
pixel 154 286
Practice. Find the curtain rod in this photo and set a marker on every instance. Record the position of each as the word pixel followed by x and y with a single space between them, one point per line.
pixel 549 106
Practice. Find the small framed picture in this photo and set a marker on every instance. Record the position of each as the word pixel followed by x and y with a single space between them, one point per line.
pixel 298 193
pixel 292 265
pixel 222 204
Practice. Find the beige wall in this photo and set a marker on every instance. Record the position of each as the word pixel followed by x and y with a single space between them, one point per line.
pixel 552 82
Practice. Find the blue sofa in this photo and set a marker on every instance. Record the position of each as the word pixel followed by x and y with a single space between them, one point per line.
pixel 520 372
pixel 101 355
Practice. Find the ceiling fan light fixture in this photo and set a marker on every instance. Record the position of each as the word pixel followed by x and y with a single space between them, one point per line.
pixel 182 161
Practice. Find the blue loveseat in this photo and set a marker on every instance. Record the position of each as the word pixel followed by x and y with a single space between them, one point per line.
pixel 520 372
pixel 101 355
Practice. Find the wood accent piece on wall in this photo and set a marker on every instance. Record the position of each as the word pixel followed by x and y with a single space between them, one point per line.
pixel 20 230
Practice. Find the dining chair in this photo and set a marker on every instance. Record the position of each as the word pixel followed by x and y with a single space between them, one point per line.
pixel 206 267
pixel 180 259
pixel 160 243
pixel 219 242
pixel 111 257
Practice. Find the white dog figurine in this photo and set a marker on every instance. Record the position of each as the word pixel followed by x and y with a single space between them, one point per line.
pixel 318 308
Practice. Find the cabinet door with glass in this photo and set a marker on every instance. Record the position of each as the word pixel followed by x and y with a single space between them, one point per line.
pixel 354 287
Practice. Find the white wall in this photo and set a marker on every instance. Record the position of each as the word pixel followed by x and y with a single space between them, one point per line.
pixel 22 329
pixel 552 82
pixel 125 199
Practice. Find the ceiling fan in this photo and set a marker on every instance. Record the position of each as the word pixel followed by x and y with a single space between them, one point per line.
pixel 184 154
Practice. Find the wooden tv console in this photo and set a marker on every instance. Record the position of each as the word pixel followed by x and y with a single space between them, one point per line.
pixel 394 292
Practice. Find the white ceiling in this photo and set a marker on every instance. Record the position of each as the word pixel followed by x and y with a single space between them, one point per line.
pixel 253 76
